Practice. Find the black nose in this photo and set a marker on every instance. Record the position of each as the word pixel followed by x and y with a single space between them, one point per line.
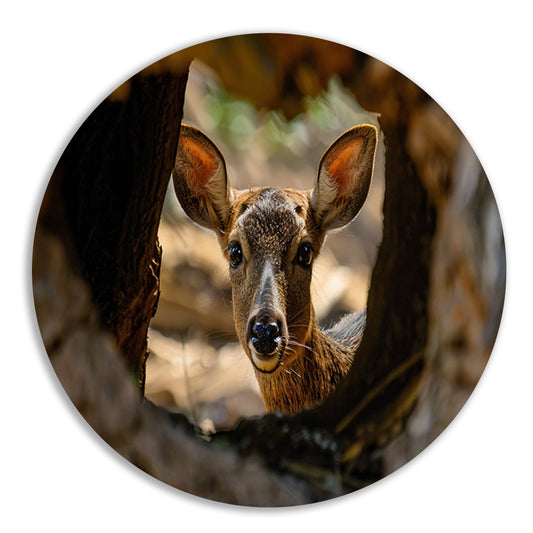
pixel 265 338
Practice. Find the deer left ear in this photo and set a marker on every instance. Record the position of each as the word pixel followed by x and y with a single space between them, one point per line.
pixel 200 180
pixel 344 177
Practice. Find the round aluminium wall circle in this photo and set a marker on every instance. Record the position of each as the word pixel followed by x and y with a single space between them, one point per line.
pixel 144 292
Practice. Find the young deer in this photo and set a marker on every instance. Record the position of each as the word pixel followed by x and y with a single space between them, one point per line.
pixel 271 237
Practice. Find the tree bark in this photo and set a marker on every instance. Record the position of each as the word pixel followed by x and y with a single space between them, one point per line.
pixel 105 199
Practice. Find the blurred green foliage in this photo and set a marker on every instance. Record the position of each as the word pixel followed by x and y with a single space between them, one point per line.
pixel 237 120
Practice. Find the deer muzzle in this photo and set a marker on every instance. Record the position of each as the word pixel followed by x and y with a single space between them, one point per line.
pixel 266 331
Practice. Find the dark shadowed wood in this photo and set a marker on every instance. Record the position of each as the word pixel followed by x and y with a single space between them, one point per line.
pixel 109 185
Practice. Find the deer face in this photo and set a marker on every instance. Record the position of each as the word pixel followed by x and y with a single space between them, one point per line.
pixel 270 249
pixel 271 237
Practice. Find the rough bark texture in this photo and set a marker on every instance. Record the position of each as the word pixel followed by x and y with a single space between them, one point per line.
pixel 105 197
pixel 96 282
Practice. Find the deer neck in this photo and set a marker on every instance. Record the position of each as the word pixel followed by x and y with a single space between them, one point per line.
pixel 310 377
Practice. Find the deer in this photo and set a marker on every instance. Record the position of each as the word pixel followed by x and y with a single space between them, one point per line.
pixel 271 237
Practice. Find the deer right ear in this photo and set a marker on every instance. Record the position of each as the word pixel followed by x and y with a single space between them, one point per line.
pixel 344 177
pixel 200 180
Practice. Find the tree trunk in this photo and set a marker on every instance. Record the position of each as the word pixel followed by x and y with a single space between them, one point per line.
pixel 105 199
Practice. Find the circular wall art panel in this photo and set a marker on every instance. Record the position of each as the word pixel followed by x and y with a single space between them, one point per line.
pixel 268 270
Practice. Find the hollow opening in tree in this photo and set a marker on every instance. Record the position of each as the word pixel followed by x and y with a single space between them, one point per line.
pixel 197 365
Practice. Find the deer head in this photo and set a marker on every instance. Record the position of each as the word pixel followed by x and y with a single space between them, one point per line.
pixel 272 236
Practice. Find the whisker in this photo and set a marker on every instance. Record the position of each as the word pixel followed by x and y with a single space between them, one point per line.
pixel 289 349
pixel 298 344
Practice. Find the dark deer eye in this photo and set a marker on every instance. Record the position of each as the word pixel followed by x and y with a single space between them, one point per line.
pixel 235 254
pixel 305 255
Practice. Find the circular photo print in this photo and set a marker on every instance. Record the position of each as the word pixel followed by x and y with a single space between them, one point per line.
pixel 268 270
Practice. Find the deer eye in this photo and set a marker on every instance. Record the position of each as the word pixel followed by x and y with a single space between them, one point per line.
pixel 305 255
pixel 235 254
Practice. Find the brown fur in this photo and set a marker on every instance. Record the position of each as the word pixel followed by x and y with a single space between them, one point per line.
pixel 270 225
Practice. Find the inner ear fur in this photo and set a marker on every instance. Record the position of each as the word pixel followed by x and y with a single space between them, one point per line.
pixel 344 177
pixel 200 180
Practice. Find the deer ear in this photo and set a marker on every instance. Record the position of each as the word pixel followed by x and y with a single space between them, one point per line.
pixel 200 180
pixel 344 177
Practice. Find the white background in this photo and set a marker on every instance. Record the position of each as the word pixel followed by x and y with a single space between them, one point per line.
pixel 60 59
